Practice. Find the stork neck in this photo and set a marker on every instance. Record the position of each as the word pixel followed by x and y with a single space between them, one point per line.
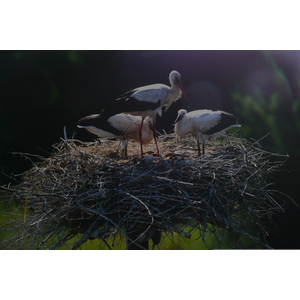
pixel 174 92
pixel 174 87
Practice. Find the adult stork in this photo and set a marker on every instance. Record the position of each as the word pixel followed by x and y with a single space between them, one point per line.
pixel 204 124
pixel 147 101
pixel 122 126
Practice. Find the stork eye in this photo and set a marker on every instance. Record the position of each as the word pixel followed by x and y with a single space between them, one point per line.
pixel 177 80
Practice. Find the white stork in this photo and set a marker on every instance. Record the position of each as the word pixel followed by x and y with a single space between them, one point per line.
pixel 204 124
pixel 125 127
pixel 147 101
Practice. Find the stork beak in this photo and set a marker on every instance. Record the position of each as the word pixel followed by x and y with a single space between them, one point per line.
pixel 183 91
pixel 179 117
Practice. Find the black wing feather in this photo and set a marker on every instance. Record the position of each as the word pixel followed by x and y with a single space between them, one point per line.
pixel 99 122
pixel 226 121
pixel 127 104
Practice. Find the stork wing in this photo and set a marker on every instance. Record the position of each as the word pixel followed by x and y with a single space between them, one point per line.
pixel 125 123
pixel 97 121
pixel 205 121
pixel 137 100
pixel 211 122
pixel 226 120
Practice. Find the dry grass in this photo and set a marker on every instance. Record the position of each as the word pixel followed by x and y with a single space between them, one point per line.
pixel 87 189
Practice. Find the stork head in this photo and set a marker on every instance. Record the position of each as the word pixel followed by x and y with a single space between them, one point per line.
pixel 181 114
pixel 175 78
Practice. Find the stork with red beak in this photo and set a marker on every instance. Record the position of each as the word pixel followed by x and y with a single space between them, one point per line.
pixel 204 124
pixel 147 101
pixel 123 127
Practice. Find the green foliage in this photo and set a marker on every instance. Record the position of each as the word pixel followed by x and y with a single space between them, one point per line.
pixel 271 109
pixel 259 117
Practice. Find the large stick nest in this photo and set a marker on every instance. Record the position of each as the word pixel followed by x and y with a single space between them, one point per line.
pixel 86 189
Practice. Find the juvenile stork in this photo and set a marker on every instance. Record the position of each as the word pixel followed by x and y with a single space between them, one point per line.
pixel 147 101
pixel 204 124
pixel 125 127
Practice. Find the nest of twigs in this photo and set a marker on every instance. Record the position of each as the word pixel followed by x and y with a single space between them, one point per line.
pixel 90 191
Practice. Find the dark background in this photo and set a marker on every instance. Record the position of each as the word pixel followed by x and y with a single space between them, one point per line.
pixel 43 91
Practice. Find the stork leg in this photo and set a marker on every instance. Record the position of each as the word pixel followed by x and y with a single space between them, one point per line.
pixel 140 134
pixel 124 144
pixel 154 136
pixel 198 144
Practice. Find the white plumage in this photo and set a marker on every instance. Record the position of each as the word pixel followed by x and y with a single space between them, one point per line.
pixel 204 124
pixel 147 101
pixel 126 128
